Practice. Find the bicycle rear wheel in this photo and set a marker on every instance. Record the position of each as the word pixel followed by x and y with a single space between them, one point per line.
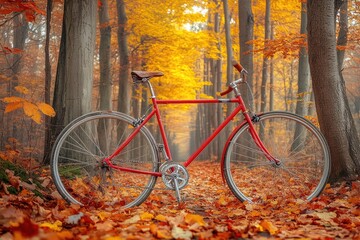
pixel 77 166
pixel 303 153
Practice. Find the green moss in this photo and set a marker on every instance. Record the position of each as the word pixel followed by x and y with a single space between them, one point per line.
pixel 22 174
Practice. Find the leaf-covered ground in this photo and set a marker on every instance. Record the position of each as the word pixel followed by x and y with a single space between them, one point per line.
pixel 209 212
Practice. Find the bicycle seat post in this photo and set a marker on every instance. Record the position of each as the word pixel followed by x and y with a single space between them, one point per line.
pixel 151 90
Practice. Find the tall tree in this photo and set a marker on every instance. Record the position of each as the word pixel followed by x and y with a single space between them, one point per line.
pixel 74 77
pixel 105 91
pixel 303 72
pixel 229 56
pixel 123 97
pixel 80 23
pixel 303 77
pixel 265 72
pixel 47 143
pixel 246 34
pixel 329 89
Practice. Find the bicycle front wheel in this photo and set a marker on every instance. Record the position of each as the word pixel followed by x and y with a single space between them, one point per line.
pixel 299 146
pixel 79 172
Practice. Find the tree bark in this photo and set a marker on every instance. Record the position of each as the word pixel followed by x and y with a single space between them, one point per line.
pixel 74 76
pixel 104 54
pixel 80 46
pixel 303 71
pixel 246 34
pixel 123 97
pixel 329 90
pixel 229 58
pixel 265 58
pixel 343 31
pixel 47 143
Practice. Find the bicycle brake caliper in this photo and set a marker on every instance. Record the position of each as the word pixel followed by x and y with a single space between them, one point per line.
pixel 255 118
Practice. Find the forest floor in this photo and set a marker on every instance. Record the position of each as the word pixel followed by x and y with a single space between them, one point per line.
pixel 35 211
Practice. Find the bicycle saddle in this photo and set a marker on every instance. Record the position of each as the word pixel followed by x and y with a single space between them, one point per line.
pixel 145 74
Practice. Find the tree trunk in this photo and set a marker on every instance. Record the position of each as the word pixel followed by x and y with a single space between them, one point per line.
pixel 303 79
pixel 343 31
pixel 47 143
pixel 271 75
pixel 123 98
pixel 217 74
pixel 20 28
pixel 265 58
pixel 80 44
pixel 105 53
pixel 74 76
pixel 303 72
pixel 229 58
pixel 246 34
pixel 329 90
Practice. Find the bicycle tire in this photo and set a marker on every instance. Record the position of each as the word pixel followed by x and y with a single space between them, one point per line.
pixel 296 142
pixel 76 161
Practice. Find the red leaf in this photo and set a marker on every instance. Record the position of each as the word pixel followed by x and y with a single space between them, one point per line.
pixel 27 228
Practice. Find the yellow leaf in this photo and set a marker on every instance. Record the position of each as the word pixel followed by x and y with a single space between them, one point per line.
pixel 161 218
pixel 269 227
pixel 103 215
pixel 12 99
pixel 46 109
pixel 56 226
pixel 194 218
pixel 222 201
pixel 22 89
pixel 13 106
pixel 32 111
pixel 146 216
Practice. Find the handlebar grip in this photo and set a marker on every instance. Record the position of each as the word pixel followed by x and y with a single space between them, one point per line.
pixel 237 65
pixel 226 91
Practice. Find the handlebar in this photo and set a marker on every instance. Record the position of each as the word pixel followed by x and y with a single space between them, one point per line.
pixel 233 85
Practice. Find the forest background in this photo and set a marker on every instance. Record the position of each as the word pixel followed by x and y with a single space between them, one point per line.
pixel 191 42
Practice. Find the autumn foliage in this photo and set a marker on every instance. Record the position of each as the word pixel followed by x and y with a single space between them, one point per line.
pixel 208 212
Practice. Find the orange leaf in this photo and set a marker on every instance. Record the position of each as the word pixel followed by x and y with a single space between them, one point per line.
pixel 269 227
pixel 46 109
pixel 32 111
pixel 22 89
pixel 13 106
pixel 12 99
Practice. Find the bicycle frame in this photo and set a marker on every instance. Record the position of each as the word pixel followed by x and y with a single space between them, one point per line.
pixel 155 111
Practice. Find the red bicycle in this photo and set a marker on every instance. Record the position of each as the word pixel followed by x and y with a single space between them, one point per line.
pixel 109 157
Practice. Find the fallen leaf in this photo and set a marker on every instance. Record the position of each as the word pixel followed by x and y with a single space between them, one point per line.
pixel 74 219
pixel 56 226
pixel 271 228
pixel 326 216
pixel 179 233
pixel 146 216
pixel 194 218
pixel 161 218
pixel 132 220
pixel 105 226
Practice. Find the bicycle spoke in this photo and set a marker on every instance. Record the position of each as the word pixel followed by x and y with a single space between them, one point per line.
pixel 79 174
pixel 302 155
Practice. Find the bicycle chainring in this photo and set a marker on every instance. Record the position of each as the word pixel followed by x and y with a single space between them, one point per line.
pixel 172 172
